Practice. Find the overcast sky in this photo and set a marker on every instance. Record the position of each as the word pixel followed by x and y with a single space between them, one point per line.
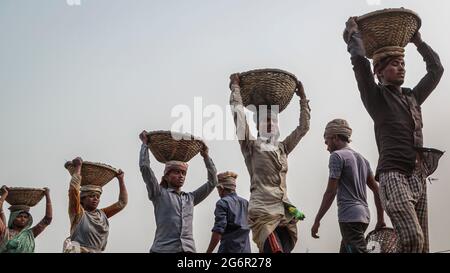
pixel 86 79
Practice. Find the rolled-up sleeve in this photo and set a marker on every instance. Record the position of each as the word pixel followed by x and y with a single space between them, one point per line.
pixel 220 213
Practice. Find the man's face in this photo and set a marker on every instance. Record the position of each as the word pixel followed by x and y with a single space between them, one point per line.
pixel 268 128
pixel 21 220
pixel 330 142
pixel 394 73
pixel 90 202
pixel 176 178
pixel 220 191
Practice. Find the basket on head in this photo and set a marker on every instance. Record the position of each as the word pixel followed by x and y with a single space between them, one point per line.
pixel 267 87
pixel 387 28
pixel 92 173
pixel 20 197
pixel 384 240
pixel 167 146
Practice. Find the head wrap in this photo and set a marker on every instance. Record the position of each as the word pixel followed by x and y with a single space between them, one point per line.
pixel 175 165
pixel 227 180
pixel 87 189
pixel 15 213
pixel 338 127
pixel 385 55
pixel 22 242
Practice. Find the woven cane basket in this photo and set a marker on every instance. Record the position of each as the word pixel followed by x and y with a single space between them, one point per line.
pixel 388 27
pixel 92 173
pixel 167 146
pixel 24 196
pixel 384 240
pixel 267 87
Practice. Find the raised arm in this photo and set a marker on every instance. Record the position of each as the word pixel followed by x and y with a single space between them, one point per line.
pixel 123 198
pixel 367 86
pixel 37 229
pixel 75 209
pixel 305 115
pixel 237 110
pixel 153 187
pixel 3 223
pixel 435 70
pixel 203 191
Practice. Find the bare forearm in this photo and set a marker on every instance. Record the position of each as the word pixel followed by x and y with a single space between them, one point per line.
pixel 123 195
pixel 327 201
pixel 48 210
pixel 215 239
pixel 119 205
pixel 46 221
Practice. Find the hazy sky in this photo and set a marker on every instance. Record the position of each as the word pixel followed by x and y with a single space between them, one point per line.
pixel 86 79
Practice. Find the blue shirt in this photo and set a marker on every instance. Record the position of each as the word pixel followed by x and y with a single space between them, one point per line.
pixel 231 221
pixel 174 211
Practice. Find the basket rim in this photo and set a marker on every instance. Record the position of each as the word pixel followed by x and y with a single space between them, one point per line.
pixel 378 230
pixel 167 132
pixel 24 188
pixel 276 70
pixel 96 164
pixel 390 10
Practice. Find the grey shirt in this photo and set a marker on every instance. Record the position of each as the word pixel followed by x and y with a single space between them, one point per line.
pixel 174 211
pixel 352 171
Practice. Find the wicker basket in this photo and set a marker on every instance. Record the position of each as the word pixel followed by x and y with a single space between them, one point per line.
pixel 98 174
pixel 267 87
pixel 387 27
pixel 384 240
pixel 167 146
pixel 24 196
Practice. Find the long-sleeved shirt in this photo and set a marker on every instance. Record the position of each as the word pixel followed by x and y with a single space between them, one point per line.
pixel 77 213
pixel 231 221
pixel 174 211
pixel 397 115
pixel 267 169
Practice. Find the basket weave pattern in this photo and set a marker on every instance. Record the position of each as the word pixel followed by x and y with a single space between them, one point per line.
pixel 386 238
pixel 24 196
pixel 167 146
pixel 267 87
pixel 92 173
pixel 387 28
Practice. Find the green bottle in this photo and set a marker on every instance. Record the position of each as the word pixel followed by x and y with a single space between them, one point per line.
pixel 295 212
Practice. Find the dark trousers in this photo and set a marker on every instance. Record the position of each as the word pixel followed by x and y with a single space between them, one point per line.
pixel 353 239
pixel 278 241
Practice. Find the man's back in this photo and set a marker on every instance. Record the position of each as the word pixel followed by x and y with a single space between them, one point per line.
pixel 352 170
pixel 232 222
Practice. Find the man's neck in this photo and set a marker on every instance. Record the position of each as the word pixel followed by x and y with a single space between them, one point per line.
pixel 176 189
pixel 343 146
pixel 395 87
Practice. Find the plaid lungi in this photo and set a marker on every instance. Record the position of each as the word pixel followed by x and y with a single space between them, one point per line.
pixel 404 198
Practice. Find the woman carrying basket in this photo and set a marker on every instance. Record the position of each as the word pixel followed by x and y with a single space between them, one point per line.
pixel 89 226
pixel 16 236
